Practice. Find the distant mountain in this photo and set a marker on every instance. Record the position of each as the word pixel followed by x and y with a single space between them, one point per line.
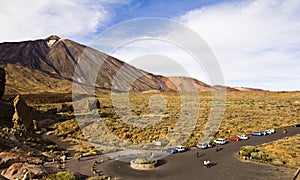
pixel 186 84
pixel 248 89
pixel 48 65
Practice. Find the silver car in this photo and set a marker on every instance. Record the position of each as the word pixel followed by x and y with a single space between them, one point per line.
pixel 204 145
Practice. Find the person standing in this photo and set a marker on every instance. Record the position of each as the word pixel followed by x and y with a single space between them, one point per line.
pixel 79 158
pixel 42 161
pixel 64 158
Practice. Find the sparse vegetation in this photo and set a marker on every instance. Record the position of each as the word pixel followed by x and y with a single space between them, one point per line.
pixel 251 152
pixel 98 178
pixel 284 152
pixel 62 176
pixel 143 163
pixel 245 112
pixel 144 160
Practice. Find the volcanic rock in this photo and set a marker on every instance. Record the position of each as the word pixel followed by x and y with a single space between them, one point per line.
pixel 23 171
pixel 22 118
pixel 2 82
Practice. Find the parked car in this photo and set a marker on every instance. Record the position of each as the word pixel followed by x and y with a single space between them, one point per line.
pixel 171 150
pixel 234 138
pixel 220 141
pixel 204 145
pixel 270 131
pixel 257 134
pixel 265 132
pixel 243 137
pixel 297 125
pixel 180 148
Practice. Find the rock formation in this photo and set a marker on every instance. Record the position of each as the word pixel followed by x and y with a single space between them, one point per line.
pixel 17 114
pixel 6 108
pixel 2 82
pixel 22 118
pixel 24 171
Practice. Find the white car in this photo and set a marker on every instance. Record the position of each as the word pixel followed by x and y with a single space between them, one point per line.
pixel 263 132
pixel 180 148
pixel 243 137
pixel 220 141
pixel 270 131
pixel 204 145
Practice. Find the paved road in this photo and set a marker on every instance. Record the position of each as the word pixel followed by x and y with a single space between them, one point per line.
pixel 187 166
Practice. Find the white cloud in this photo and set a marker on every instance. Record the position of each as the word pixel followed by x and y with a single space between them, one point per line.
pixel 31 19
pixel 161 57
pixel 257 43
pixel 160 46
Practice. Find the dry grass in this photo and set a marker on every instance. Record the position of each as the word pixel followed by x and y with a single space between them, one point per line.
pixel 139 122
pixel 245 112
pixel 284 152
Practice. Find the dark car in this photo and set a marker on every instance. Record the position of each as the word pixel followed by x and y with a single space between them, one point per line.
pixel 297 125
pixel 171 150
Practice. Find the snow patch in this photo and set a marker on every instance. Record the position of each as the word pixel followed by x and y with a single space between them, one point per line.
pixel 51 42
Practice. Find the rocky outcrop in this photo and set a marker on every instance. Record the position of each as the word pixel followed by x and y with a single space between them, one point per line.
pixel 6 108
pixel 23 171
pixel 2 82
pixel 14 114
pixel 22 118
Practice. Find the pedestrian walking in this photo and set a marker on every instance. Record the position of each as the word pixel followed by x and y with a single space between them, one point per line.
pixel 64 158
pixel 284 130
pixel 217 148
pixel 79 158
pixel 197 154
pixel 41 162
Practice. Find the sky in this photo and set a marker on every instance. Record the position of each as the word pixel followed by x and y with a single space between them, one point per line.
pixel 255 42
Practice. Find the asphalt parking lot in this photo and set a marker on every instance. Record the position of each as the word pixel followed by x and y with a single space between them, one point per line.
pixel 227 166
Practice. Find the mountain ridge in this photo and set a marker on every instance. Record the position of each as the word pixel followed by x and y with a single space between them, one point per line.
pixel 48 65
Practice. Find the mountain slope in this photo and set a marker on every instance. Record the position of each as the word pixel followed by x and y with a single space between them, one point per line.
pixel 48 65
pixel 42 63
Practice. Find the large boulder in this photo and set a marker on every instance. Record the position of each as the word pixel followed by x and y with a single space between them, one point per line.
pixel 2 82
pixel 24 171
pixel 22 118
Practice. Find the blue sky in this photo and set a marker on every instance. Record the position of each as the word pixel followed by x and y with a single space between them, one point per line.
pixel 156 8
pixel 256 42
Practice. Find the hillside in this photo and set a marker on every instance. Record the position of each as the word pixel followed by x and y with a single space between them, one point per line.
pixel 48 65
